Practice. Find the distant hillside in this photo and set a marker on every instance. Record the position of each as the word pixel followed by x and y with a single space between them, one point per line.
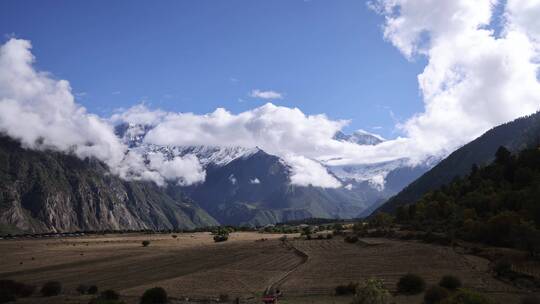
pixel 517 135
pixel 256 190
pixel 42 191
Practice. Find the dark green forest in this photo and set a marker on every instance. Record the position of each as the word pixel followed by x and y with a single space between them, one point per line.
pixel 497 204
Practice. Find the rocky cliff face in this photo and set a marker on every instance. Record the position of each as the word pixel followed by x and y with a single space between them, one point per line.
pixel 43 191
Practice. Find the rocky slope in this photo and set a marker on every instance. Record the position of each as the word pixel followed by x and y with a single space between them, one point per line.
pixel 43 191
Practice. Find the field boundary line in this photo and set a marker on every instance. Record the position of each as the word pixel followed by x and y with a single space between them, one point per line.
pixel 304 259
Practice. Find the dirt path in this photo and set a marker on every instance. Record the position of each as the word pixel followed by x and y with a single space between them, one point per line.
pixel 304 259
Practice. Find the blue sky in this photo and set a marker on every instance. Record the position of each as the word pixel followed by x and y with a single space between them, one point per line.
pixel 325 56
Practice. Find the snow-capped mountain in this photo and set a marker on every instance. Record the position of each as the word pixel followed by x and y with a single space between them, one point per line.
pixel 249 186
pixel 359 137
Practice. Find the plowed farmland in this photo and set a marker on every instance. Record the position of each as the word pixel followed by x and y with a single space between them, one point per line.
pixel 193 266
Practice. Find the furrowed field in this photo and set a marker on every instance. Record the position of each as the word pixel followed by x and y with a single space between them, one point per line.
pixel 194 266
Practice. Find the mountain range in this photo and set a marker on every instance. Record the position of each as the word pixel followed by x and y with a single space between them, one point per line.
pixel 42 191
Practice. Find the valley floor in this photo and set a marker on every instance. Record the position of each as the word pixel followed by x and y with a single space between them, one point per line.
pixel 193 266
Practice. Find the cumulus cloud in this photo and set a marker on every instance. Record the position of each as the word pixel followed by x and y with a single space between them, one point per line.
pixel 474 79
pixel 307 172
pixel 265 94
pixel 41 113
pixel 254 181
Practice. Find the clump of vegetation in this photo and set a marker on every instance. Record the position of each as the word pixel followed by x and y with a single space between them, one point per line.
pixel 351 239
pixel 530 300
pixel 465 296
pixel 220 238
pixel 411 284
pixel 109 295
pixel 223 298
pixel 92 289
pixel 502 267
pixel 435 294
pixel 11 290
pixel 329 236
pixel 145 243
pixel 450 282
pixel 156 295
pixel 349 289
pixel 373 292
pixel 174 236
pixel 320 236
pixel 82 289
pixel 51 288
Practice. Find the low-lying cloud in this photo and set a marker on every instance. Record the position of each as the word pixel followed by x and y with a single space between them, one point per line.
pixel 41 113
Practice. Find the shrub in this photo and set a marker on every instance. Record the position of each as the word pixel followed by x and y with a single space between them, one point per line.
pixel 348 289
pixel 373 292
pixel 16 289
pixel 92 289
pixel 145 243
pixel 109 294
pixel 156 295
pixel 530 300
pixel 351 239
pixel 220 238
pixel 174 236
pixel 51 288
pixel 467 297
pixel 502 267
pixel 450 282
pixel 411 284
pixel 329 236
pixel 82 289
pixel 224 297
pixel 435 294
pixel 320 236
pixel 6 296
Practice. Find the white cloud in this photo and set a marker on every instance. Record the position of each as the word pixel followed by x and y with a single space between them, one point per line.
pixel 307 172
pixel 41 113
pixel 233 179
pixel 473 80
pixel 265 94
pixel 254 181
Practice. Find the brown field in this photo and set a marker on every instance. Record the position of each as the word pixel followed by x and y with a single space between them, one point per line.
pixel 193 266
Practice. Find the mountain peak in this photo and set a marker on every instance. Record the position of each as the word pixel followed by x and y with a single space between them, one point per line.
pixel 360 137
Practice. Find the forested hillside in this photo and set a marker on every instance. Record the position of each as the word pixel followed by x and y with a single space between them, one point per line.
pixel 497 204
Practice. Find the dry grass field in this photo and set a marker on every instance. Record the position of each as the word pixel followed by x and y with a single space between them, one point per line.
pixel 192 265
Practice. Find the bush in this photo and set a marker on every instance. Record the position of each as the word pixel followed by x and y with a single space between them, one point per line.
pixel 92 289
pixel 82 289
pixel 51 288
pixel 348 289
pixel 502 267
pixel 450 282
pixel 224 297
pixel 156 295
pixel 530 300
pixel 109 294
pixel 320 236
pixel 435 294
pixel 373 292
pixel 145 243
pixel 329 236
pixel 411 284
pixel 10 288
pixel 6 296
pixel 174 236
pixel 220 238
pixel 467 297
pixel 351 239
